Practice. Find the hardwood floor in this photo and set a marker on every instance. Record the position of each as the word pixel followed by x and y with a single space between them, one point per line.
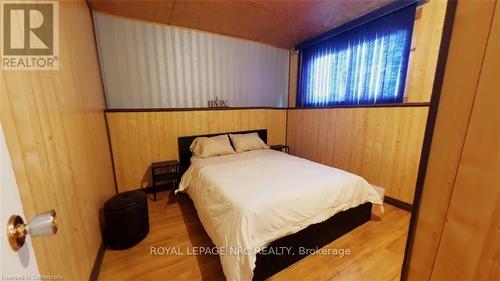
pixel 377 249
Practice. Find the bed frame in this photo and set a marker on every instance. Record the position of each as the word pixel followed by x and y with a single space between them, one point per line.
pixel 313 237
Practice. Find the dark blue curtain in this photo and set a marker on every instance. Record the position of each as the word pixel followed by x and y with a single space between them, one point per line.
pixel 365 64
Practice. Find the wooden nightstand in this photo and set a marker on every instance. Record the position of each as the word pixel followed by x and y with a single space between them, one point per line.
pixel 164 174
pixel 281 147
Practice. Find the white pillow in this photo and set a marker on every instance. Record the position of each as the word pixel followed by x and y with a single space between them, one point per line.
pixel 204 147
pixel 246 142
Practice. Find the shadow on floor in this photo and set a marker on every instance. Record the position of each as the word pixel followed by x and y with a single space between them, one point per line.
pixel 209 265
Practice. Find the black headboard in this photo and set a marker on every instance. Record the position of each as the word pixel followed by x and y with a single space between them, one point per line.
pixel 185 142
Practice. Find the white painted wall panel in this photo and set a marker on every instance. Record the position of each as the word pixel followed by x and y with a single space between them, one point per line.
pixel 150 65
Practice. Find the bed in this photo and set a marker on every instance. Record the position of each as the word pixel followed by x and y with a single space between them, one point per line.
pixel 265 209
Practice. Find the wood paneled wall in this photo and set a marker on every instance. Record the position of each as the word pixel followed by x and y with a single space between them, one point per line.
pixel 56 134
pixel 382 145
pixel 140 138
pixel 365 140
pixel 457 227
pixel 427 31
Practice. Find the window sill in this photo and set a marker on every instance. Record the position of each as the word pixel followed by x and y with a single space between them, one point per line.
pixel 406 104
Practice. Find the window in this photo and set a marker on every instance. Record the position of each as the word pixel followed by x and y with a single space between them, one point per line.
pixel 365 64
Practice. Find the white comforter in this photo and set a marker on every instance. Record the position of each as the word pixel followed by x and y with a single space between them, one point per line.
pixel 247 200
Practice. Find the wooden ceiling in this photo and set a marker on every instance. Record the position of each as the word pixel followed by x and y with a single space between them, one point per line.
pixel 280 23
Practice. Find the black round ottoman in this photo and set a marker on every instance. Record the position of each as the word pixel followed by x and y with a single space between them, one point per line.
pixel 126 219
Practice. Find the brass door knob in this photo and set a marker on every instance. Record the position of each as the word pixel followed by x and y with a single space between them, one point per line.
pixel 42 225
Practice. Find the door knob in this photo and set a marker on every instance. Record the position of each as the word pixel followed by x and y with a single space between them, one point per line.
pixel 42 225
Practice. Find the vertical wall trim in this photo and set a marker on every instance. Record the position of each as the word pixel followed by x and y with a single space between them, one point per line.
pixel 288 96
pixel 286 127
pixel 96 268
pixel 104 94
pixel 299 74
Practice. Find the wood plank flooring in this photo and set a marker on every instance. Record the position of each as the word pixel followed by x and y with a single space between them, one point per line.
pixel 377 249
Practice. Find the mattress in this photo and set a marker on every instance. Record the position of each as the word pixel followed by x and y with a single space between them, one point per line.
pixel 247 200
